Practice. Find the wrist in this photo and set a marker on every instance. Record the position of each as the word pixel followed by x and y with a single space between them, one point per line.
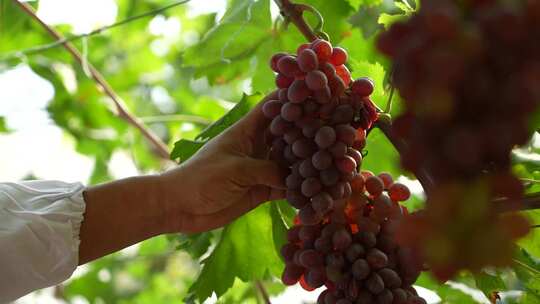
pixel 168 190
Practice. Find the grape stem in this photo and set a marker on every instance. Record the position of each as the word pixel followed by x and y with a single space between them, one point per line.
pixel 293 13
pixel 263 292
pixel 159 147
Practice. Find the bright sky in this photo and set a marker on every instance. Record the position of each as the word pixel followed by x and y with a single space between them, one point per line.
pixel 37 146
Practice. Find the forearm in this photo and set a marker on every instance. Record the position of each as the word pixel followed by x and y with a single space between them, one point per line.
pixel 119 214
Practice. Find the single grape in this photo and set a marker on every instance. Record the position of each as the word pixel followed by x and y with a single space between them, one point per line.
pixel 329 177
pixel 400 296
pixel 323 244
pixel 291 274
pixel 288 66
pixel 325 137
pixel 387 179
pixel 302 47
pixel 347 190
pixel 316 278
pixel 355 251
pixel 298 91
pixel 316 80
pixel 339 56
pixel 322 160
pixel 307 60
pixel 311 186
pixel 386 244
pixel 322 202
pixel 291 112
pixel 338 149
pixel 357 184
pixel 283 82
pixel 279 126
pixel 288 251
pixel 374 185
pixel 292 135
pixel 310 258
pixel 362 87
pixel 323 49
pixel 274 60
pixel 346 134
pixel 293 181
pixel 343 72
pixel 367 224
pixel 304 148
pixel 328 69
pixel 323 96
pixel 346 164
pixel 272 108
pixel 390 278
pixel 360 269
pixel 341 239
pixel 307 169
pixel 374 283
pixel 399 192
pixel 356 155
pixel 337 85
pixel 296 199
pixel 376 258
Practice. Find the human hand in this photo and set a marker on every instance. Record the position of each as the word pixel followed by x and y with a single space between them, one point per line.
pixel 229 176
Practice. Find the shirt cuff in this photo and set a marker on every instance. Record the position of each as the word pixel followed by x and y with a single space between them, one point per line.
pixel 40 223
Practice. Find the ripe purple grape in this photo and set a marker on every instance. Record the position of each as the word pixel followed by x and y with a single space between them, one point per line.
pixel 311 186
pixel 291 112
pixel 288 66
pixel 322 202
pixel 307 60
pixel 298 91
pixel 316 80
pixel 325 137
pixel 322 160
pixel 272 108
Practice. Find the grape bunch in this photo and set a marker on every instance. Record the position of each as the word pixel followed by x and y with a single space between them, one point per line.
pixel 469 75
pixel 318 126
pixel 354 253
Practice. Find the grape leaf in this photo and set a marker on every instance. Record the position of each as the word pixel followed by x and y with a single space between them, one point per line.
pixel 381 157
pixel 279 227
pixel 489 283
pixel 449 294
pixel 246 251
pixel 195 244
pixel 184 148
pixel 527 269
pixel 358 3
pixel 3 127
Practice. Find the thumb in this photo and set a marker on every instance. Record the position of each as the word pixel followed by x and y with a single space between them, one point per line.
pixel 263 172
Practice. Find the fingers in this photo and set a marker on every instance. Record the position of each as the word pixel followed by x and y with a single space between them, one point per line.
pixel 255 120
pixel 260 172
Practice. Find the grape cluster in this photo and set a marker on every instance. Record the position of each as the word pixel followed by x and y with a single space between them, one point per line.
pixel 469 74
pixel 318 126
pixel 354 253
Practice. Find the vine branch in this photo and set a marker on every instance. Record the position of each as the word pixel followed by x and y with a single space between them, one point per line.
pixel 44 47
pixel 263 291
pixel 294 13
pixel 159 147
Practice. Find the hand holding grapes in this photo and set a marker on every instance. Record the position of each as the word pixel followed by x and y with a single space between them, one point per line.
pixel 226 178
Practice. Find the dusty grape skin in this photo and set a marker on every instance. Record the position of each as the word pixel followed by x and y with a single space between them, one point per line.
pixel 325 137
pixel 291 112
pixel 272 108
pixel 311 187
pixel 322 160
pixel 307 60
pixel 362 87
pixel 298 91
pixel 288 66
pixel 316 80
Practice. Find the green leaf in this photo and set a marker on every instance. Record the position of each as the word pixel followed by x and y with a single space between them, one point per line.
pixel 184 149
pixel 381 157
pixel 195 244
pixel 3 127
pixel 239 110
pixel 358 3
pixel 387 20
pixel 243 28
pixel 246 251
pixel 489 283
pixel 449 294
pixel 527 269
pixel 279 228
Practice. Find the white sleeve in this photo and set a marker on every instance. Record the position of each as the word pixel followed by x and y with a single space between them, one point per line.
pixel 39 235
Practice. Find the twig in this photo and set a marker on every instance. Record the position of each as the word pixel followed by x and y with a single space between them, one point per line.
pixel 160 148
pixel 43 47
pixel 263 291
pixel 177 117
pixel 528 202
pixel 293 13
